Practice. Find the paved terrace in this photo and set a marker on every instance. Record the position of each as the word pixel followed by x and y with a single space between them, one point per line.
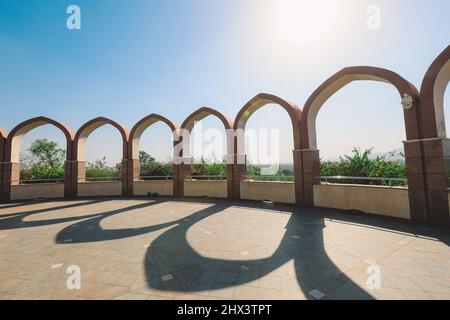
pixel 194 249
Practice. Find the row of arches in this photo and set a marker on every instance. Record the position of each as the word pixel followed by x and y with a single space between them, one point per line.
pixel 425 145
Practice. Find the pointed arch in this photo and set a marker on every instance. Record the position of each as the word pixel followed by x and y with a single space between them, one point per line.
pixel 15 137
pixel 346 76
pixel 257 102
pixel 261 100
pixel 89 127
pixel 432 93
pixel 139 128
pixel 200 114
pixel 186 127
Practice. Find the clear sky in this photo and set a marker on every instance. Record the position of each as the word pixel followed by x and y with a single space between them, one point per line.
pixel 133 58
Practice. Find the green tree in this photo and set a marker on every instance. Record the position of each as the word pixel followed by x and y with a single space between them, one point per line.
pixel 47 153
pixel 145 159
pixel 44 160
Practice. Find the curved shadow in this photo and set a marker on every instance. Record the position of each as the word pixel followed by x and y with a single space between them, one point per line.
pixel 16 220
pixel 15 205
pixel 171 253
pixel 90 230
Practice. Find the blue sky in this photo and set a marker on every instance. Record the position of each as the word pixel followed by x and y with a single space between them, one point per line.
pixel 133 58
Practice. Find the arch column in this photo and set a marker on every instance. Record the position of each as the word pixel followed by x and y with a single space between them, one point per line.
pixel 411 111
pixel 231 162
pixel 133 173
pixel 10 176
pixel 238 173
pixel 184 166
pixel 434 144
pixel 426 173
pixel 134 164
pixel 77 163
pixel 182 170
pixel 307 169
pixel 10 153
pixel 240 165
pixel 75 172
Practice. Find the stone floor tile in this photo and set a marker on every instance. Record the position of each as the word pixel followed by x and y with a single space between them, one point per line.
pixel 269 294
pixel 245 293
pixel 250 250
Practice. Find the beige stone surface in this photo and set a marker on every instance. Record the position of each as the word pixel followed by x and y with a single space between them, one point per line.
pixel 165 248
pixel 100 188
pixel 393 202
pixel 38 190
pixel 208 188
pixel 281 192
pixel 161 187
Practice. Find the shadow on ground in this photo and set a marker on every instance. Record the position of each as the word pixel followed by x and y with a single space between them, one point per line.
pixel 170 253
pixel 17 220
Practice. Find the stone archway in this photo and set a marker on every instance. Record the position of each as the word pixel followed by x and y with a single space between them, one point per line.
pixel 240 158
pixel 11 153
pixel 78 163
pixel 134 144
pixel 346 76
pixel 435 143
pixel 410 99
pixel 184 160
pixel 432 92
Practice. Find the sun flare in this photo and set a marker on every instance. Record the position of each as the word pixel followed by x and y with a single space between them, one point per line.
pixel 303 22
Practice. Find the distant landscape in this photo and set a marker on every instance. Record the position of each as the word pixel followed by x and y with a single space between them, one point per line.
pixel 44 160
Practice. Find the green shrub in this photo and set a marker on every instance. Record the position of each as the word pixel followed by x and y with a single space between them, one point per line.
pixel 359 164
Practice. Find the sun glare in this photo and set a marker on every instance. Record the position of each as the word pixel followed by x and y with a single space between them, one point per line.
pixel 303 22
pixel 306 21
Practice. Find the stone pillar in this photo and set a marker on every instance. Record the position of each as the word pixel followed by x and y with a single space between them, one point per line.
pixel 230 182
pixel 125 177
pixel 436 167
pixel 69 183
pixel 133 173
pixel 75 173
pixel 239 173
pixel 182 171
pixel 175 182
pixel 298 176
pixel 230 178
pixel 310 167
pixel 431 188
pixel 10 176
pixel 415 175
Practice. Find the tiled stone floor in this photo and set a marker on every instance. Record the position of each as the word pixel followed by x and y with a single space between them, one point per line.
pixel 195 249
